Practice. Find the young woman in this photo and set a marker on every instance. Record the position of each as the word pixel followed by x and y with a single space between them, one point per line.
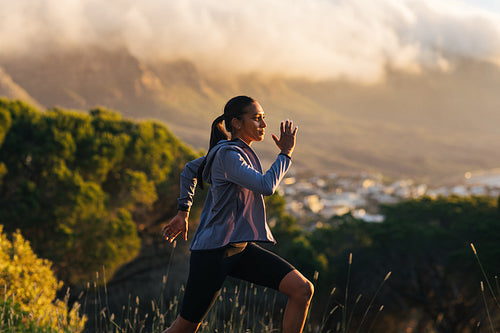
pixel 233 218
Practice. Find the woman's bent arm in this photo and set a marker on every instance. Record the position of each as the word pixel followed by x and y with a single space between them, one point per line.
pixel 238 171
pixel 188 184
pixel 179 223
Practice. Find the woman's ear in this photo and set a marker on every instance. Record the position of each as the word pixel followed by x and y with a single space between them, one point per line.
pixel 236 123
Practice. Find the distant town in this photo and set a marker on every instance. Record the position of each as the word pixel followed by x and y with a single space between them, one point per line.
pixel 315 200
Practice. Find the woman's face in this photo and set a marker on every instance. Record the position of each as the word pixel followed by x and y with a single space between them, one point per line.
pixel 251 126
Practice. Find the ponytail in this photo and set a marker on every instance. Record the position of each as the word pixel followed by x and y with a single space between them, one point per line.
pixel 234 108
pixel 216 134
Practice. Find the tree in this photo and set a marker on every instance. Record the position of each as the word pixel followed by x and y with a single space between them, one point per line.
pixel 80 186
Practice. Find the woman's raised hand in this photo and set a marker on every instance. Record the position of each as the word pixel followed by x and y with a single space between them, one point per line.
pixel 286 141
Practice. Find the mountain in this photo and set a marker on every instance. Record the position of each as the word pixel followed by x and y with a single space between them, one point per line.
pixel 11 90
pixel 433 126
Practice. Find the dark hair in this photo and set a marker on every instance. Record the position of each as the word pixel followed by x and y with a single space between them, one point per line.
pixel 234 108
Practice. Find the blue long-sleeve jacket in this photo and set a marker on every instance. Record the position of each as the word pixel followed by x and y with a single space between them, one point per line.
pixel 234 208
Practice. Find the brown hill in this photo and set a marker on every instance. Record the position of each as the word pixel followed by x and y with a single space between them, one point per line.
pixel 433 126
pixel 11 90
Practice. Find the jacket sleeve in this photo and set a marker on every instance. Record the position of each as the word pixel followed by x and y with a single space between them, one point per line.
pixel 239 171
pixel 188 182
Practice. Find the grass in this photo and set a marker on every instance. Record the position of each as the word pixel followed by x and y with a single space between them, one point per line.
pixel 494 296
pixel 13 319
pixel 237 309
pixel 347 315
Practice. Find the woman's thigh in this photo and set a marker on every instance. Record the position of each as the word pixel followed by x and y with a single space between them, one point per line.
pixel 207 272
pixel 260 266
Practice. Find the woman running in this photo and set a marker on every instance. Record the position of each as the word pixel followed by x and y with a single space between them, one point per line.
pixel 233 218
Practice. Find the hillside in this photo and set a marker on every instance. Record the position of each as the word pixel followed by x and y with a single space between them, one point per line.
pixel 11 90
pixel 433 126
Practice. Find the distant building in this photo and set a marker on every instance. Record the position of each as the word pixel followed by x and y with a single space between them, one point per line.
pixel 314 203
pixel 361 214
pixel 333 195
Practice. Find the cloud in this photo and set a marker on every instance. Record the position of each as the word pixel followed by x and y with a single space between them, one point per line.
pixel 321 39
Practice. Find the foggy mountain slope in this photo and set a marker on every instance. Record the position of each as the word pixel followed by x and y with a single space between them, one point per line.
pixel 79 79
pixel 11 90
pixel 431 126
pixel 433 123
pixel 459 102
pixel 83 79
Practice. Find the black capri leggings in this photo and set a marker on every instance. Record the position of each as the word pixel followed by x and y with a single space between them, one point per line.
pixel 208 270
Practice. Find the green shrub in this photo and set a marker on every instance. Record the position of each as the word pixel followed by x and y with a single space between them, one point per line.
pixel 28 292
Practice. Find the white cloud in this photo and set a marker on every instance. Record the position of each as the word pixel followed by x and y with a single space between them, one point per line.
pixel 355 39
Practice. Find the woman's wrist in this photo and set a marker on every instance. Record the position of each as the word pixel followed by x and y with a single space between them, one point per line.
pixel 287 153
pixel 183 213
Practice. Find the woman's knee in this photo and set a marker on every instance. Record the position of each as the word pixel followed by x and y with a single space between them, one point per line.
pixel 308 290
pixel 303 291
pixel 296 286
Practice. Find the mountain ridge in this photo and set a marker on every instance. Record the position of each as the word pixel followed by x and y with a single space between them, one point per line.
pixel 433 126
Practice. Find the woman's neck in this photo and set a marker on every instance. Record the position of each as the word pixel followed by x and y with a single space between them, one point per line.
pixel 238 137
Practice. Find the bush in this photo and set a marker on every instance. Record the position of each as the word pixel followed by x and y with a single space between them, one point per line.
pixel 28 292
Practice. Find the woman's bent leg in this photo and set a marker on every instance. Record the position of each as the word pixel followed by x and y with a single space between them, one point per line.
pixel 207 272
pixel 299 291
pixel 267 269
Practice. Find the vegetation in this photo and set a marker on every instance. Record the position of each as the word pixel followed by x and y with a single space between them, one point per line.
pixel 425 244
pixel 85 189
pixel 28 292
pixel 76 184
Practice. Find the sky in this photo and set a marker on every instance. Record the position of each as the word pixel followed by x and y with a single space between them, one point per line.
pixel 489 5
pixel 317 39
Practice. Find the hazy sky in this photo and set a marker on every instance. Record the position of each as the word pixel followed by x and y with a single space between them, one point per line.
pixel 354 39
pixel 490 5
